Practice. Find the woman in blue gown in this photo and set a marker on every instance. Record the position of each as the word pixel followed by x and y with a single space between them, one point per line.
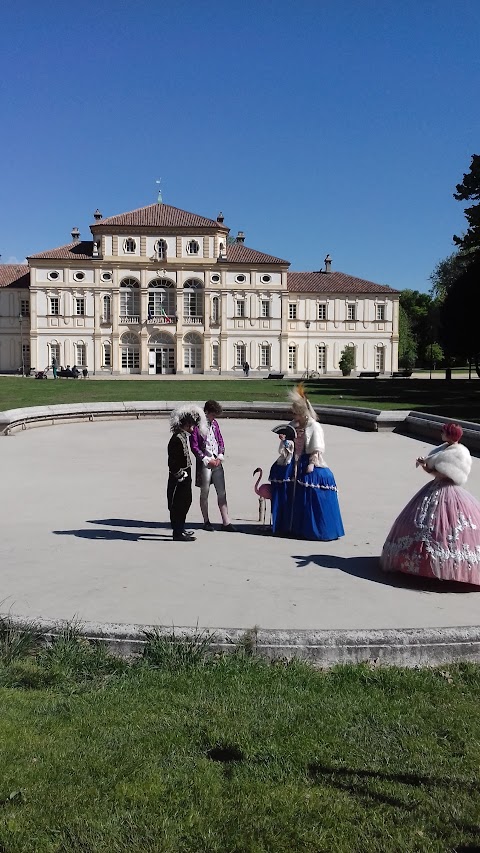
pixel 303 490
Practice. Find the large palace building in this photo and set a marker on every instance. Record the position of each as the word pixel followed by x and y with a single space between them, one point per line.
pixel 159 290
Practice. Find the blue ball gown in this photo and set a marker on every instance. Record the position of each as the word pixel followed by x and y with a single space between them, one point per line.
pixel 304 505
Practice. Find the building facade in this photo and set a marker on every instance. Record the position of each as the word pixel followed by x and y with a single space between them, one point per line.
pixel 159 290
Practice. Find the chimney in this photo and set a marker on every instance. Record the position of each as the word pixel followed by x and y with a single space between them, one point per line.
pixel 75 235
pixel 240 238
pixel 328 264
pixel 97 215
pixel 220 218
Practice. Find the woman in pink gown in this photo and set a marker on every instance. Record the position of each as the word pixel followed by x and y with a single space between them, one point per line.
pixel 437 535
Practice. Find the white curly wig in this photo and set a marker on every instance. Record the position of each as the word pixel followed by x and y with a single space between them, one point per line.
pixel 195 412
pixel 300 401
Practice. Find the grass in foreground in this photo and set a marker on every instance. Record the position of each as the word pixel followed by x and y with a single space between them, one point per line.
pixel 189 753
pixel 458 398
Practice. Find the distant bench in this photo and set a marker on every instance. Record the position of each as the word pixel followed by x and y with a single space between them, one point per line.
pixel 275 376
pixel 369 374
pixel 402 374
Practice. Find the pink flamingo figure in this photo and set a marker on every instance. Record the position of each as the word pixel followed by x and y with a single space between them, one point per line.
pixel 264 493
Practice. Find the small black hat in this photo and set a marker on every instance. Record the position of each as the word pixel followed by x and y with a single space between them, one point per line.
pixel 286 430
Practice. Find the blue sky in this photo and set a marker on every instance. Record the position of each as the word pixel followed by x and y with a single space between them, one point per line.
pixel 339 127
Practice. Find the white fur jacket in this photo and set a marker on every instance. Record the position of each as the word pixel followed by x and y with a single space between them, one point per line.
pixel 314 444
pixel 452 461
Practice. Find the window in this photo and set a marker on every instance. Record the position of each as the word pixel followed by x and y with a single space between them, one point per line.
pixel 26 356
pixel 265 355
pixel 54 353
pixel 215 355
pixel 130 352
pixel 55 305
pixel 215 310
pixel 265 278
pixel 351 311
pixel 193 299
pixel 265 308
pixel 161 300
pixel 25 307
pixel 53 275
pixel 80 355
pixel 292 357
pixel 192 352
pixel 161 249
pixel 240 354
pixel 380 359
pixel 80 306
pixel 129 246
pixel 129 298
pixel 78 276
pixel 215 278
pixel 381 313
pixel 240 278
pixel 107 309
pixel 292 310
pixel 106 276
pixel 107 354
pixel 321 357
pixel 322 311
pixel 193 247
pixel 240 308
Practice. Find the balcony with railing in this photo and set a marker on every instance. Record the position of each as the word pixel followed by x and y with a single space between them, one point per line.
pixel 161 319
pixel 193 321
pixel 129 319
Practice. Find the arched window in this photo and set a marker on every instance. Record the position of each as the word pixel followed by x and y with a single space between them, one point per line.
pixel 129 298
pixel 80 354
pixel 265 355
pixel 130 351
pixel 193 247
pixel 321 358
pixel 292 357
pixel 193 301
pixel 192 353
pixel 215 310
pixel 161 339
pixel 54 353
pixel 161 300
pixel 380 358
pixel 107 354
pixel 107 309
pixel 129 246
pixel 240 354
pixel 161 249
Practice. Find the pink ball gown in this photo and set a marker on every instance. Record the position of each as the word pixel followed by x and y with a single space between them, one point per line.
pixel 437 534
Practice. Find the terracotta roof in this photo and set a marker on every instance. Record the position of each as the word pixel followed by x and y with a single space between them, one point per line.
pixel 80 250
pixel 159 216
pixel 332 282
pixel 14 275
pixel 238 253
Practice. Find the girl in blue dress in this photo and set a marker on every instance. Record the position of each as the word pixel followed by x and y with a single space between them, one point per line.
pixel 303 490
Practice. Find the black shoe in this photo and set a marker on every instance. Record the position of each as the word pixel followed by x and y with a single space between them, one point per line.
pixel 185 536
pixel 229 528
pixel 208 526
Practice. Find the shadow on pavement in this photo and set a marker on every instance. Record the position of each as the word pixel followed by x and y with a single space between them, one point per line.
pixel 112 535
pixel 369 569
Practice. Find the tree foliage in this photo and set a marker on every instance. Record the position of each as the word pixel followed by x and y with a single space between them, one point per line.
pixel 447 272
pixel 418 327
pixel 469 190
pixel 459 315
pixel 407 345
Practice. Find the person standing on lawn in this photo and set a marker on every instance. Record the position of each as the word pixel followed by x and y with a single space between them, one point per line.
pixel 183 420
pixel 209 451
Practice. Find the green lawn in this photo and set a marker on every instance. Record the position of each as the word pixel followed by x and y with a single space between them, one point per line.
pixel 458 398
pixel 234 755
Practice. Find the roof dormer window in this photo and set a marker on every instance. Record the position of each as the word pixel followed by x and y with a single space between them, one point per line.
pixel 193 247
pixel 129 246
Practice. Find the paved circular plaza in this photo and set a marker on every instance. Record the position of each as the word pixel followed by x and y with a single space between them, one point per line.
pixel 85 535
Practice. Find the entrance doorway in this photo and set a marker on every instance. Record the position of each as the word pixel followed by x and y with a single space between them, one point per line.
pixel 161 360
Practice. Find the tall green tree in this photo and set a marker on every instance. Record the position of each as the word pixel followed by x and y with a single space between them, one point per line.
pixel 421 311
pixel 447 272
pixel 469 190
pixel 459 315
pixel 407 347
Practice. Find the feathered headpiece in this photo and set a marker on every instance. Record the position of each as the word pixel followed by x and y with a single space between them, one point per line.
pixel 299 399
pixel 195 412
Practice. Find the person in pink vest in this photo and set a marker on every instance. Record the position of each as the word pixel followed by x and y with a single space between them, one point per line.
pixel 209 451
